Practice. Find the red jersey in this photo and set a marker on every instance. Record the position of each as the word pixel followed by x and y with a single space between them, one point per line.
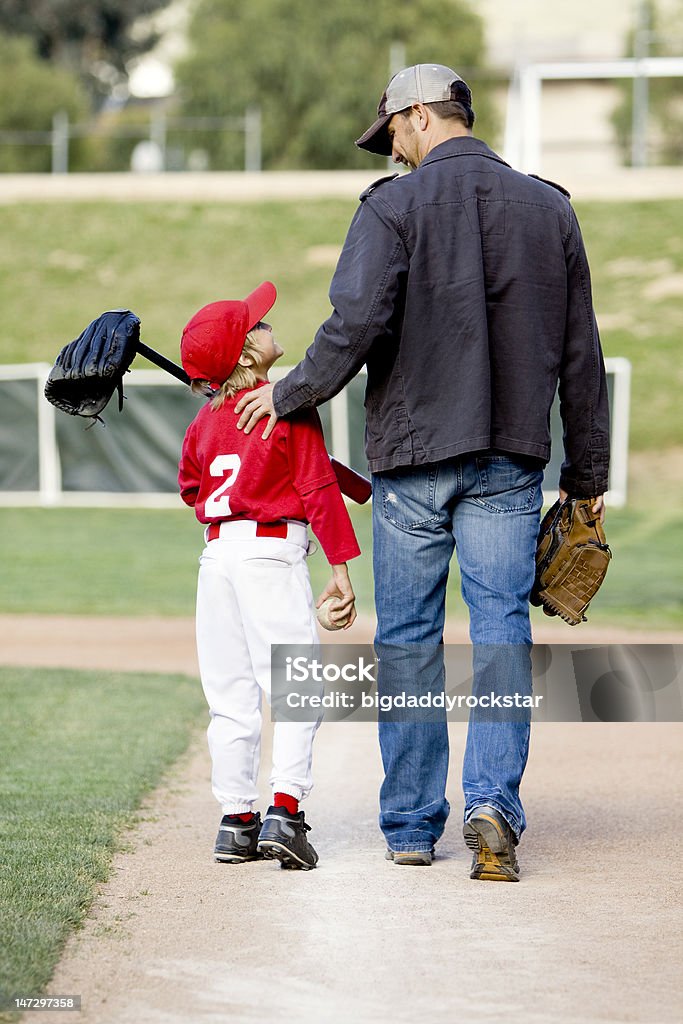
pixel 227 474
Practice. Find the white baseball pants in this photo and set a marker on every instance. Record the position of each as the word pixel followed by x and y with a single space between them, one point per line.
pixel 252 592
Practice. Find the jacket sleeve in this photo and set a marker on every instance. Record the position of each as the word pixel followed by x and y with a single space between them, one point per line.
pixel 363 292
pixel 583 390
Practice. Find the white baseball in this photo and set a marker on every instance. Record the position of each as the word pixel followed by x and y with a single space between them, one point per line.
pixel 324 615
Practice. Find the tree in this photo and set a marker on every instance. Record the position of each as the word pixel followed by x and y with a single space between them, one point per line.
pixel 665 95
pixel 93 38
pixel 316 70
pixel 31 92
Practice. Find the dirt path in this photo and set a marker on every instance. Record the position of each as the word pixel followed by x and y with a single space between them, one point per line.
pixel 591 933
pixel 245 187
pixel 156 644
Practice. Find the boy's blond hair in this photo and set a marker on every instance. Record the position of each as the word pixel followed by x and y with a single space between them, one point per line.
pixel 242 378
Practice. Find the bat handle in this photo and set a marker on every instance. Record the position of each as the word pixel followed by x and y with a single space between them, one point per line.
pixel 163 362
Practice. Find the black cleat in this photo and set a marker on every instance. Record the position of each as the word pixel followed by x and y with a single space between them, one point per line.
pixel 489 835
pixel 237 840
pixel 283 838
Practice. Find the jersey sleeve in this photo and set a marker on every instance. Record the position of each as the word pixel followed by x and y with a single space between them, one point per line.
pixel 331 523
pixel 316 484
pixel 189 474
pixel 309 463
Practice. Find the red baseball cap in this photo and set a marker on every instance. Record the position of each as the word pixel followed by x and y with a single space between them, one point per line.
pixel 213 339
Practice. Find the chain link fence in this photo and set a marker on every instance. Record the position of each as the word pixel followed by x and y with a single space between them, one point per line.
pixel 149 141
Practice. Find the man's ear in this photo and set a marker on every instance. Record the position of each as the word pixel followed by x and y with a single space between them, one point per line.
pixel 245 360
pixel 422 115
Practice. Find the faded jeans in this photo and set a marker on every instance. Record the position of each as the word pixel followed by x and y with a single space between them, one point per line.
pixel 486 508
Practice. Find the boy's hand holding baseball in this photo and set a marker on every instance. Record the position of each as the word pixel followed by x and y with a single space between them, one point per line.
pixel 340 613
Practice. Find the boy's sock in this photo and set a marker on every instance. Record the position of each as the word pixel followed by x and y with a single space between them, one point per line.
pixel 290 803
pixel 246 818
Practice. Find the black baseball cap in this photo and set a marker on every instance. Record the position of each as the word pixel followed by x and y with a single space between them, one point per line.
pixel 421 83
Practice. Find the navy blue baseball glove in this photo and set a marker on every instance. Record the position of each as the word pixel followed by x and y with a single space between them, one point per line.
pixel 90 369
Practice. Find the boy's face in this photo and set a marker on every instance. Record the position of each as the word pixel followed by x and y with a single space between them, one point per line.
pixel 266 346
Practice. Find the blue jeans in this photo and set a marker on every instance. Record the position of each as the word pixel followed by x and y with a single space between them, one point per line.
pixel 486 507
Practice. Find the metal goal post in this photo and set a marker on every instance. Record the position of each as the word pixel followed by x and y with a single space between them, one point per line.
pixel 522 145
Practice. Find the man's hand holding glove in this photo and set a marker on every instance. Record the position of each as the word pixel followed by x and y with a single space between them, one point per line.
pixel 572 557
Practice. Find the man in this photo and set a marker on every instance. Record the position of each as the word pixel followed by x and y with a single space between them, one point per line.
pixel 464 288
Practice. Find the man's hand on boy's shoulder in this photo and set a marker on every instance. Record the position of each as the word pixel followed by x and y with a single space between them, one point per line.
pixel 254 406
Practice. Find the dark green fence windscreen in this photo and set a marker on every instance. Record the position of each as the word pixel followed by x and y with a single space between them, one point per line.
pixel 51 455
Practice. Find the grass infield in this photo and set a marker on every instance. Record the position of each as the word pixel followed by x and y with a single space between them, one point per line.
pixel 164 260
pixel 141 562
pixel 61 264
pixel 80 750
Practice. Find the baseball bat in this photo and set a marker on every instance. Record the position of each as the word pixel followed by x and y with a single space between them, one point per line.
pixel 354 485
pixel 163 362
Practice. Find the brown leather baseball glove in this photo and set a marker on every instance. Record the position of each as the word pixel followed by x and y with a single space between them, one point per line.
pixel 572 556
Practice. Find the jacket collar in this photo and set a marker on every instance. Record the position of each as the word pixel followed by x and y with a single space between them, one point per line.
pixel 461 145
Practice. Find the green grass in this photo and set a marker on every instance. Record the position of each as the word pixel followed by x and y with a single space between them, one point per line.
pixel 98 561
pixel 80 750
pixel 61 264
pixel 122 561
pixel 644 584
pixel 636 256
pixel 140 562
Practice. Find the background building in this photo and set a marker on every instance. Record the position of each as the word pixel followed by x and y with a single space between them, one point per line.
pixel 576 129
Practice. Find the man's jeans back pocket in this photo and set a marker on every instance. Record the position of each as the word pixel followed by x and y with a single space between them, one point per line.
pixel 507 483
pixel 409 500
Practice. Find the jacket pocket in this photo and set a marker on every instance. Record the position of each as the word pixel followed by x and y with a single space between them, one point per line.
pixel 387 430
pixel 403 438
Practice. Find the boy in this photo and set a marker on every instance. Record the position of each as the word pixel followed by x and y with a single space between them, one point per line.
pixel 256 498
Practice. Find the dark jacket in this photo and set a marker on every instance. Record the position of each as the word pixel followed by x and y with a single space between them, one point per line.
pixel 464 287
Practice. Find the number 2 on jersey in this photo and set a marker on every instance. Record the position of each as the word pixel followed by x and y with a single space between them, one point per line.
pixel 218 502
